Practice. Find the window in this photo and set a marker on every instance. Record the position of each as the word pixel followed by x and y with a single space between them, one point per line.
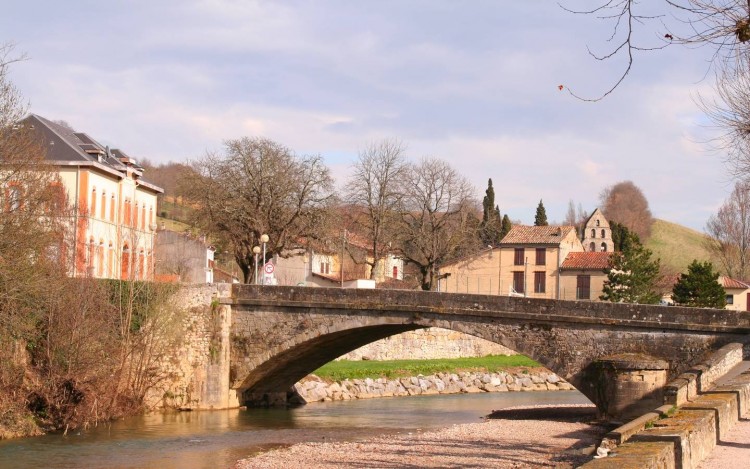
pixel 112 209
pixel 395 271
pixel 93 203
pixel 583 287
pixel 518 259
pixel 604 247
pixel 603 235
pixel 540 280
pixel 518 282
pixel 730 299
pixel 541 256
pixel 14 198
pixel 104 205
pixel 597 222
pixel 592 246
pixel 593 233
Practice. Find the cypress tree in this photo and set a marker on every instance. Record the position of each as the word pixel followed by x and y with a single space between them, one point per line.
pixel 506 226
pixel 700 287
pixel 491 226
pixel 541 215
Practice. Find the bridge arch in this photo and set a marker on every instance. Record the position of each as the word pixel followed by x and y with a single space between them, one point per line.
pixel 280 334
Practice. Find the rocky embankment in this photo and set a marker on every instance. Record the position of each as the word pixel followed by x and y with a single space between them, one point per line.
pixel 314 389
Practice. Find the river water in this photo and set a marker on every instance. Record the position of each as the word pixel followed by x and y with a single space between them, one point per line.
pixel 216 439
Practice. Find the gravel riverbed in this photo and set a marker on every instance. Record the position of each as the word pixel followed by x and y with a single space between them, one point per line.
pixel 542 436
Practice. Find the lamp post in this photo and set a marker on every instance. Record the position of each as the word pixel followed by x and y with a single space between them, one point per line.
pixel 264 240
pixel 256 251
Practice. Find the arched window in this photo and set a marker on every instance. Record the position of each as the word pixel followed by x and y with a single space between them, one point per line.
pixel 592 246
pixel 111 261
pixel 604 247
pixel 593 233
pixel 597 222
pixel 92 213
pixel 125 263
pixel 603 235
pixel 112 209
pixel 100 259
pixel 104 205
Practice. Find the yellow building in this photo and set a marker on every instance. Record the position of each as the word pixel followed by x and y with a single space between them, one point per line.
pixel 737 293
pixel 113 222
pixel 526 262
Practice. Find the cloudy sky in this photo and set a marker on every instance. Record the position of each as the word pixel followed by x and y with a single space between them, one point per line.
pixel 474 83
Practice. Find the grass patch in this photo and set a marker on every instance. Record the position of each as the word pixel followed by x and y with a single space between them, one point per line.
pixel 677 246
pixel 343 369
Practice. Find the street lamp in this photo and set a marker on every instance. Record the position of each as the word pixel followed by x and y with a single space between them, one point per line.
pixel 264 240
pixel 256 251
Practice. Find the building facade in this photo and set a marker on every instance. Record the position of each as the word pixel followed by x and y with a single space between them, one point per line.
pixel 113 207
pixel 597 235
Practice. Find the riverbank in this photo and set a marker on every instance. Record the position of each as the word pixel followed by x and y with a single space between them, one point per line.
pixel 558 438
pixel 315 389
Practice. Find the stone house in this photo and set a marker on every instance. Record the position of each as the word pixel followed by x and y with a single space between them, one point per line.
pixel 582 275
pixel 113 221
pixel 597 235
pixel 184 257
pixel 738 293
pixel 526 262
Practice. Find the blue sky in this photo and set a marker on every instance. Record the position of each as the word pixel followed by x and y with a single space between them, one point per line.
pixel 474 83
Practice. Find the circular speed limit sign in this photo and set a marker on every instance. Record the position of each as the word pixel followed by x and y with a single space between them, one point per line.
pixel 268 268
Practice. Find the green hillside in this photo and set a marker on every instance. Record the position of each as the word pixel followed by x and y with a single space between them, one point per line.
pixel 677 245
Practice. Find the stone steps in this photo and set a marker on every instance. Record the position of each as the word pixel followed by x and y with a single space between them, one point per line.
pixel 682 436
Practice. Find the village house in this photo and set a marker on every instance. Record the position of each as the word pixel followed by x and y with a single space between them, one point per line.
pixel 113 220
pixel 181 257
pixel 537 262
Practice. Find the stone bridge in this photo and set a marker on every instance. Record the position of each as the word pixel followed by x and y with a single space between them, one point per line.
pixel 278 335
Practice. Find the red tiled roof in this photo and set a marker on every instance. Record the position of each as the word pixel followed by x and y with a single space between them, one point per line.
pixel 586 260
pixel 521 234
pixel 732 283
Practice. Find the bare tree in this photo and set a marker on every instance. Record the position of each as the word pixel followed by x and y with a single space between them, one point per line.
pixel 625 203
pixel 375 189
pixel 260 187
pixel 729 233
pixel 638 27
pixel 438 217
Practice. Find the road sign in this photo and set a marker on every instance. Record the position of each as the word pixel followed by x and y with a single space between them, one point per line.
pixel 268 268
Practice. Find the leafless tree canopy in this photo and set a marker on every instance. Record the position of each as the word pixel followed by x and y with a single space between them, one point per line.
pixel 729 233
pixel 640 26
pixel 375 190
pixel 438 217
pixel 625 203
pixel 260 187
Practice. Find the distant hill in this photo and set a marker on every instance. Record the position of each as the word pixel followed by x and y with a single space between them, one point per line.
pixel 677 245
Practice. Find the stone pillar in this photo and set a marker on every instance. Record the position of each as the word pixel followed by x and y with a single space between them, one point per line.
pixel 629 385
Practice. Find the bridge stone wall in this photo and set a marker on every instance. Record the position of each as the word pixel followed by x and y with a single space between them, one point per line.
pixel 427 344
pixel 197 372
pixel 280 334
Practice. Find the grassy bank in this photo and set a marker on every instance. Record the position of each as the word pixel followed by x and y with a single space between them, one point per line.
pixel 343 369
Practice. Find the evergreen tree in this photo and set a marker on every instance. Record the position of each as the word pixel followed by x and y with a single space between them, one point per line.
pixel 491 227
pixel 700 287
pixel 631 275
pixel 506 226
pixel 622 236
pixel 541 215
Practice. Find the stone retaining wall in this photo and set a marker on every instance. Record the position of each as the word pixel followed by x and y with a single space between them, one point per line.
pixel 314 389
pixel 427 344
pixel 683 432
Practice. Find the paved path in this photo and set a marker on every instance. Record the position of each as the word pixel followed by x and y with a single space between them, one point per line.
pixel 734 450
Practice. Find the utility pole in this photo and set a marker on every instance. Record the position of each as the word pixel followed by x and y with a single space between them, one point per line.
pixel 343 250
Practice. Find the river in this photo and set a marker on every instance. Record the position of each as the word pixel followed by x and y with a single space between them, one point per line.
pixel 217 439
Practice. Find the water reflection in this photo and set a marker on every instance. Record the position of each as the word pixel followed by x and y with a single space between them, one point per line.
pixel 209 439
